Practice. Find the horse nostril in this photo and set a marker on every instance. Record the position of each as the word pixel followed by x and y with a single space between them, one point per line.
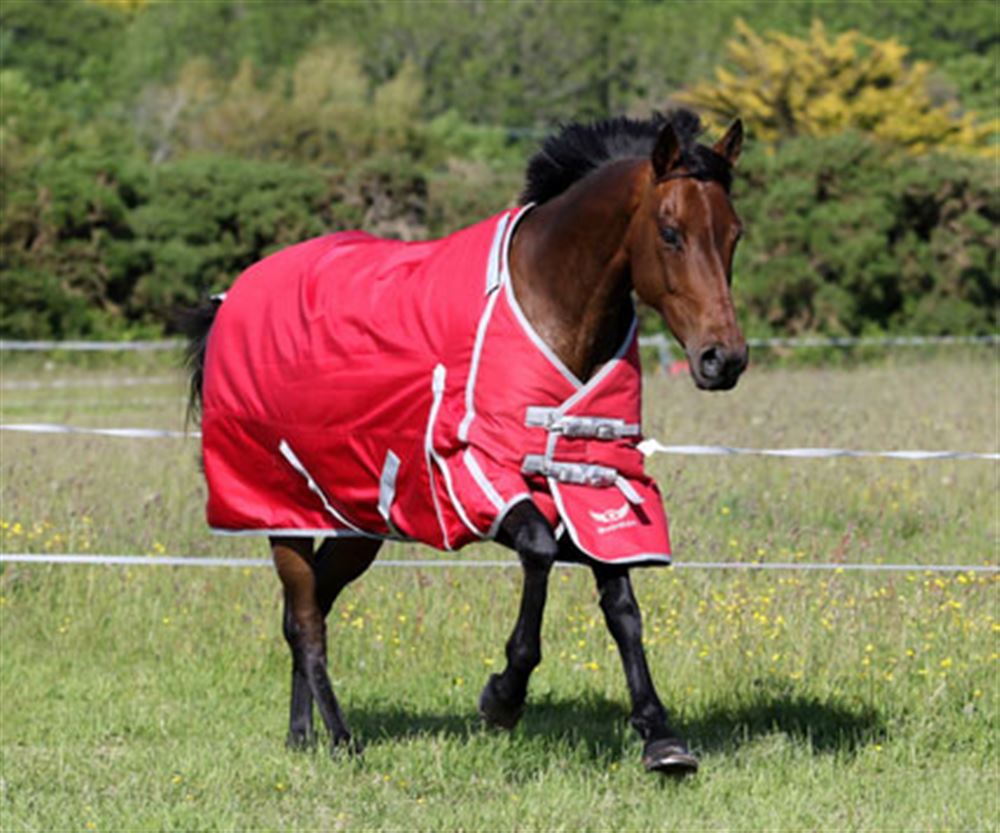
pixel 743 357
pixel 711 362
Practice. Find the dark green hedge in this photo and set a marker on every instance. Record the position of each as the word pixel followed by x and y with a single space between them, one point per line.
pixel 841 236
pixel 97 246
pixel 844 237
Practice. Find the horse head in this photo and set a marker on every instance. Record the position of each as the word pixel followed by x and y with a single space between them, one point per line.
pixel 681 243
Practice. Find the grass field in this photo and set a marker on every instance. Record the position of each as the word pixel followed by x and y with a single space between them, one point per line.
pixel 155 698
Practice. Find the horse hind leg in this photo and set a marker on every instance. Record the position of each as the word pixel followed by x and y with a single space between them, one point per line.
pixel 305 633
pixel 300 719
pixel 311 584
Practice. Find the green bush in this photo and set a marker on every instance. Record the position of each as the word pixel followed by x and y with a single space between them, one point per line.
pixel 841 237
pixel 97 246
pixel 845 238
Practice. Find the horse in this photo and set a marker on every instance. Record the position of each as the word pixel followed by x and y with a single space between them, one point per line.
pixel 610 210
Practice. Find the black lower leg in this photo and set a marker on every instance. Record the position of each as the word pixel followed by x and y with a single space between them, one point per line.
pixel 306 631
pixel 624 620
pixel 326 701
pixel 524 648
pixel 663 750
pixel 527 531
pixel 300 718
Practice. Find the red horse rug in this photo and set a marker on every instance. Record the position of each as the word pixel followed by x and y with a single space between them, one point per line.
pixel 361 386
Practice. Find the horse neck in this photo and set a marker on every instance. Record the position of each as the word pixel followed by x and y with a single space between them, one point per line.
pixel 570 269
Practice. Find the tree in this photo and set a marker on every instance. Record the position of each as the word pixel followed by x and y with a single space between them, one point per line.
pixel 784 86
pixel 843 239
pixel 323 110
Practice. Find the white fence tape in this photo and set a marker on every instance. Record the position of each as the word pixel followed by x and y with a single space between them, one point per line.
pixel 890 341
pixel 415 563
pixel 91 404
pixel 658 340
pixel 84 382
pixel 648 447
pixel 122 433
pixel 92 346
pixel 663 342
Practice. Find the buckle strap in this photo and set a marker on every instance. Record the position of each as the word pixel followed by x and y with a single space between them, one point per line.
pixel 601 428
pixel 582 474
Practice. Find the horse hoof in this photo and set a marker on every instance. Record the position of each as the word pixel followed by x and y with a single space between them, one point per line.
pixel 669 756
pixel 300 740
pixel 346 746
pixel 496 713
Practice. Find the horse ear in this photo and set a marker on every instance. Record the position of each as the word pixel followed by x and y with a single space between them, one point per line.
pixel 730 145
pixel 667 152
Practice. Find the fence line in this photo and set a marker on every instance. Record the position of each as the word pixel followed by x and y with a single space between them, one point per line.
pixel 93 404
pixel 112 382
pixel 415 563
pixel 658 340
pixel 648 447
pixel 651 446
pixel 120 433
pixel 662 341
pixel 91 346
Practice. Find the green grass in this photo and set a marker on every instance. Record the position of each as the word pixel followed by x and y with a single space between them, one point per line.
pixel 155 698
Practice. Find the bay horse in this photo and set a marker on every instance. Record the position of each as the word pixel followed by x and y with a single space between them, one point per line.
pixel 613 209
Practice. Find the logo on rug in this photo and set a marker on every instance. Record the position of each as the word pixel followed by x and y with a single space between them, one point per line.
pixel 610 516
pixel 614 519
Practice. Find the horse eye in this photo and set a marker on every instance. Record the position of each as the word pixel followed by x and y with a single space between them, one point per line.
pixel 671 236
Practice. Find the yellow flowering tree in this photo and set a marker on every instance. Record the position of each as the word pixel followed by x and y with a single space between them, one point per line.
pixel 122 5
pixel 786 86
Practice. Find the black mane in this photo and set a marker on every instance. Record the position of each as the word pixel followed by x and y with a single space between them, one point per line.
pixel 577 149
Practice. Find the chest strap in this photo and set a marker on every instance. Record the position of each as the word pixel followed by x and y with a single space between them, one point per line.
pixel 601 428
pixel 580 474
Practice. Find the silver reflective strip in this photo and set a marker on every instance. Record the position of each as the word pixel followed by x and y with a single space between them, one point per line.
pixel 296 463
pixel 602 428
pixel 508 237
pixel 443 466
pixel 219 298
pixel 539 417
pixel 581 474
pixel 437 388
pixel 472 464
pixel 453 496
pixel 627 489
pixel 470 385
pixel 493 264
pixel 387 486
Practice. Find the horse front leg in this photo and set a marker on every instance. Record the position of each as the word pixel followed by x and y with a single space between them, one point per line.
pixel 501 703
pixel 663 750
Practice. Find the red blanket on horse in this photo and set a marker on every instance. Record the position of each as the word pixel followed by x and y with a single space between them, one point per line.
pixel 362 386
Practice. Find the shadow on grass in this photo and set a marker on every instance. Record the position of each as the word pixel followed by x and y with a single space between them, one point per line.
pixel 826 726
pixel 599 728
pixel 381 722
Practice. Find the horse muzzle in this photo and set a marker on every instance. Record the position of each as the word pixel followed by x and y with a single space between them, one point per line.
pixel 718 367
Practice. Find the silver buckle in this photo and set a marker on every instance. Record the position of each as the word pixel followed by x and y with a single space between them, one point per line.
pixel 581 474
pixel 601 428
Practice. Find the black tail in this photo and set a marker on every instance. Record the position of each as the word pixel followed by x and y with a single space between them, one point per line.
pixel 195 324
